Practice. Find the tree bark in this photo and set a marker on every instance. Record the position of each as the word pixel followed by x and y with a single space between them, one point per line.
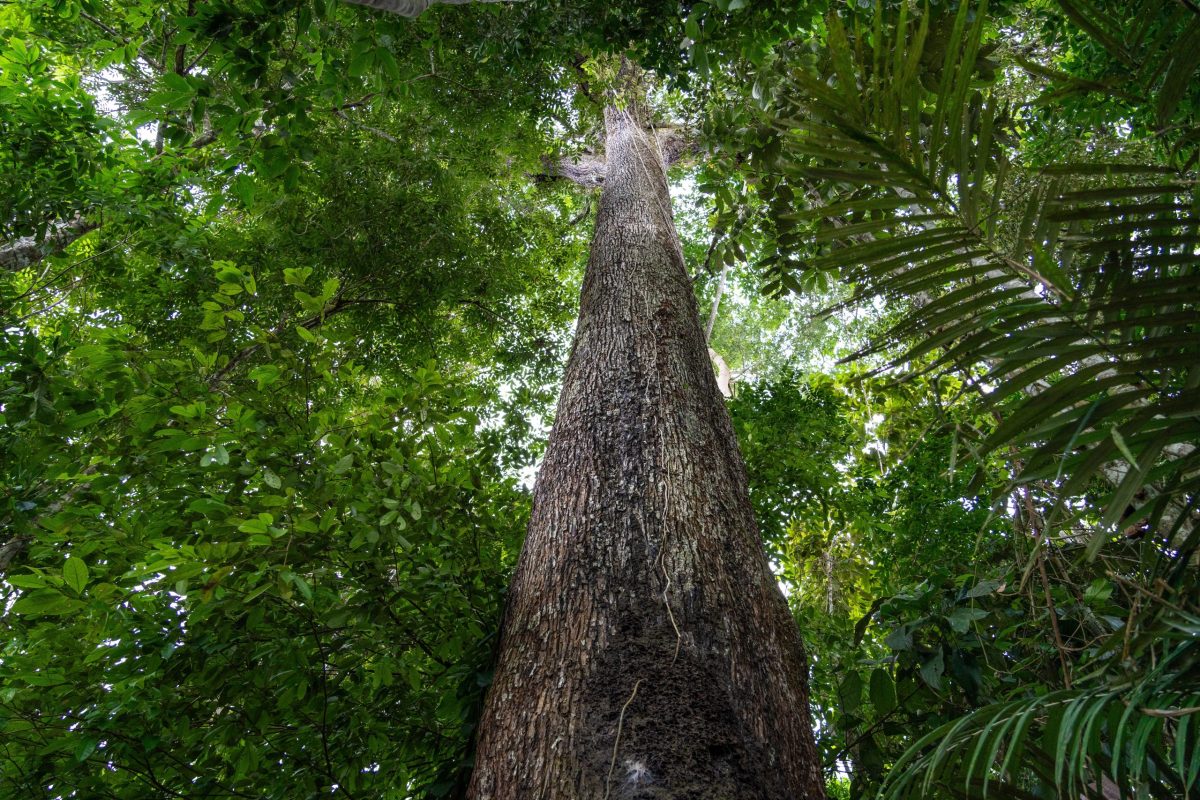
pixel 27 251
pixel 647 651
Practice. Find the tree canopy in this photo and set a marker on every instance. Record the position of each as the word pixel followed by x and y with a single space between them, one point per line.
pixel 287 287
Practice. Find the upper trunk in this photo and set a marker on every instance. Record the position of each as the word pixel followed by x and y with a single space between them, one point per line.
pixel 647 651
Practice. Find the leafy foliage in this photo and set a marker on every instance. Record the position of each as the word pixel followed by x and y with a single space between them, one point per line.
pixel 1143 718
pixel 344 559
pixel 261 431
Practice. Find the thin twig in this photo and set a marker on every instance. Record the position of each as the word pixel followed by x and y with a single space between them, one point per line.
pixel 192 64
pixel 325 710
pixel 337 112
pixel 1170 713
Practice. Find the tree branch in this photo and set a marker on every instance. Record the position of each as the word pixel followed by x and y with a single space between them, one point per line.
pixel 27 250
pixel 716 304
pixel 337 112
pixel 586 169
pixel 675 144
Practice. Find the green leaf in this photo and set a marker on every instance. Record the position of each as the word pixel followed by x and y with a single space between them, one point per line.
pixel 45 602
pixel 883 691
pixel 1119 441
pixel 176 93
pixel 984 588
pixel 361 62
pixel 932 668
pixel 75 574
pixel 87 746
pixel 217 455
pixel 26 581
pixel 265 375
pixel 256 525
pixel 850 692
pixel 244 189
pixel 272 161
pixel 304 588
pixel 296 276
pixel 387 62
pixel 899 639
pixel 1098 591
pixel 960 619
pixel 310 303
pixel 43 677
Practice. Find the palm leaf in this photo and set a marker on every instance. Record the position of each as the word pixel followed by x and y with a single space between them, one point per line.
pixel 1089 287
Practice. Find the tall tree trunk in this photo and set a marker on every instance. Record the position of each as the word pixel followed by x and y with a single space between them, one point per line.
pixel 647 651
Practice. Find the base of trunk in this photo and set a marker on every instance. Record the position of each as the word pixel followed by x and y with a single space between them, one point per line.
pixel 660 725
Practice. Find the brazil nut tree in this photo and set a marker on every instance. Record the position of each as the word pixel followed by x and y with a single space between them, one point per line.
pixel 646 649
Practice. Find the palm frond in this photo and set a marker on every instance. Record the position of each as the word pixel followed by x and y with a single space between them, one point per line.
pixel 1135 732
pixel 1071 289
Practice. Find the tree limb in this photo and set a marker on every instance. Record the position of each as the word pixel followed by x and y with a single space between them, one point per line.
pixel 716 304
pixel 27 250
pixel 586 169
pixel 724 375
pixel 676 144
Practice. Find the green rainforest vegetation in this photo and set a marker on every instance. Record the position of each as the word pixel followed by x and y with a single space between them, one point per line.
pixel 288 290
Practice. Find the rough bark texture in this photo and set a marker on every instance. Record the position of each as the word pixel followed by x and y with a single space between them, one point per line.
pixel 27 251
pixel 647 651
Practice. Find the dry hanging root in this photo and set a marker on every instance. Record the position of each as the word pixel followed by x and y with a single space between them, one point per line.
pixel 617 742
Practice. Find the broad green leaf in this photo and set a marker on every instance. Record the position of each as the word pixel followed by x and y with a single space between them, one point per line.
pixel 45 602
pixel 883 691
pixel 960 619
pixel 932 668
pixel 75 574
